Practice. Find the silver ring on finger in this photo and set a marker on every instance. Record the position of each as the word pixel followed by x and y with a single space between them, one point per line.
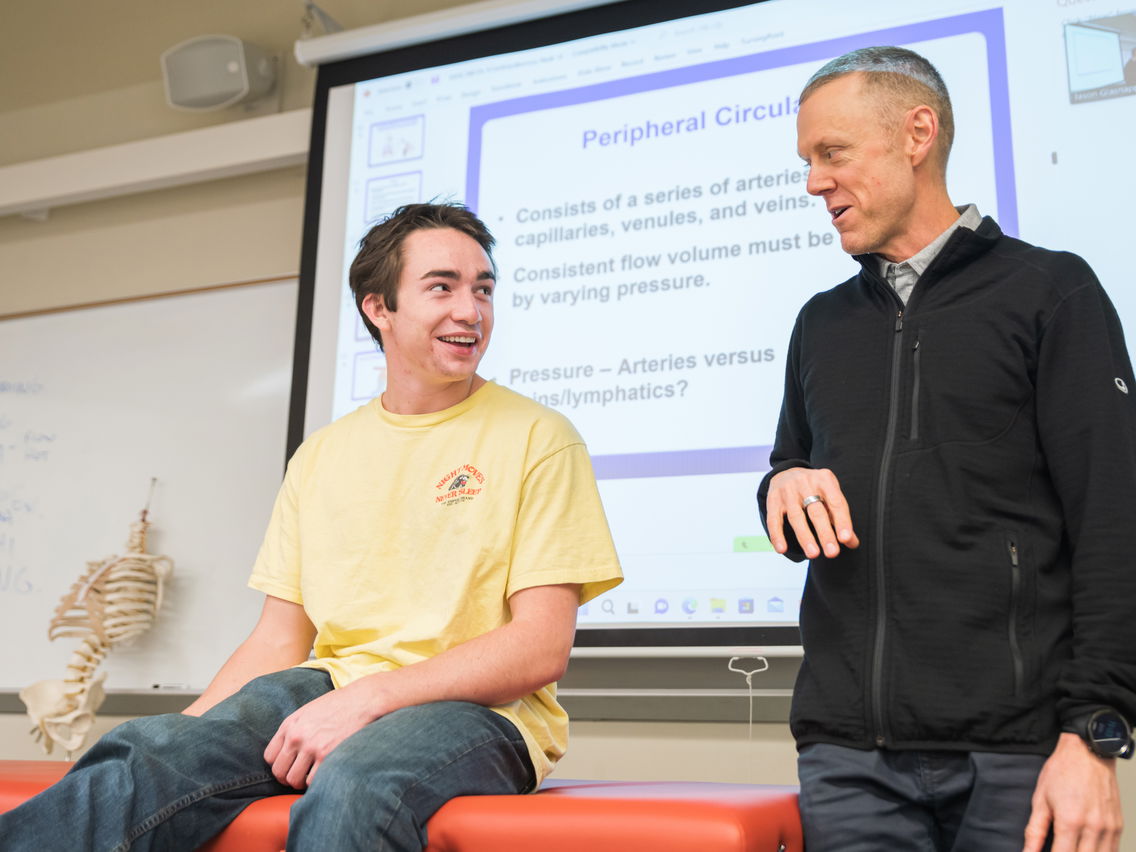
pixel 812 498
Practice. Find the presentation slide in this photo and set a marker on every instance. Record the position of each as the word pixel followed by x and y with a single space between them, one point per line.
pixel 656 241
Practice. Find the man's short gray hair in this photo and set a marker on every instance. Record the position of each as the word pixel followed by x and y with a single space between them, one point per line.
pixel 901 79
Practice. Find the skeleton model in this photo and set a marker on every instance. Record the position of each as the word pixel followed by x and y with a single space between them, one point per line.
pixel 114 601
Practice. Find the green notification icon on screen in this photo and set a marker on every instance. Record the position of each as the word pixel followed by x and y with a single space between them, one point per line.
pixel 752 544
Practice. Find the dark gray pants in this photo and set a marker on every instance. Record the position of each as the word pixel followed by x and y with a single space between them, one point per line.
pixel 868 801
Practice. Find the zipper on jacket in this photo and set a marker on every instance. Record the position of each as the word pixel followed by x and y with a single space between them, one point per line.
pixel 881 598
pixel 915 393
pixel 1015 597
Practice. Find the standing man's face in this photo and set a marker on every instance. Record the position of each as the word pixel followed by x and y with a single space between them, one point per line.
pixel 444 319
pixel 856 166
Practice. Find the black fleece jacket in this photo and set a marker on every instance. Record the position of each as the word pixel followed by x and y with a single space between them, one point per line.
pixel 985 438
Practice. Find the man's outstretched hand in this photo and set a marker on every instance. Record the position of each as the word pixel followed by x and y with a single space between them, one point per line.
pixel 828 517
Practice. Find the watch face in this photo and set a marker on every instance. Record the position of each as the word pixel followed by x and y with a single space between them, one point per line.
pixel 1109 733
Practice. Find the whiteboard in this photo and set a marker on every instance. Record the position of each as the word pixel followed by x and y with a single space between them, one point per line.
pixel 192 389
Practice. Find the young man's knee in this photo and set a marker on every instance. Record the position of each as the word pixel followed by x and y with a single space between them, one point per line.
pixel 371 803
pixel 359 780
pixel 334 812
pixel 146 732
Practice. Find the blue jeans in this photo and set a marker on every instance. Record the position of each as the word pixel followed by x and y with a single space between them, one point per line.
pixel 949 801
pixel 173 782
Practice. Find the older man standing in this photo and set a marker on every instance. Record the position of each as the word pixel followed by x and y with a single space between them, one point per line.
pixel 956 455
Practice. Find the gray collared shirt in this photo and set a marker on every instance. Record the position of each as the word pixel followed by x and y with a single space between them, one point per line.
pixel 903 276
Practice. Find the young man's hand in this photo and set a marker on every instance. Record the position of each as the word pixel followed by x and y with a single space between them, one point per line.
pixel 309 735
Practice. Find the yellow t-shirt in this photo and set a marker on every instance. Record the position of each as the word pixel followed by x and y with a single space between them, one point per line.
pixel 404 535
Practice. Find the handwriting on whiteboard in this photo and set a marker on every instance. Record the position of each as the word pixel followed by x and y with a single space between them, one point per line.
pixel 23 445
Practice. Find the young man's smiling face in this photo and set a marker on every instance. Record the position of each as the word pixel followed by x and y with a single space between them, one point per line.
pixel 439 333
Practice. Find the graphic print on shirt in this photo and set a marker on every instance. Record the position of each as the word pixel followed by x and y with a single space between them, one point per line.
pixel 459 485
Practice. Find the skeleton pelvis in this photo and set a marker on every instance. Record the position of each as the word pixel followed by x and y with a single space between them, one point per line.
pixel 63 712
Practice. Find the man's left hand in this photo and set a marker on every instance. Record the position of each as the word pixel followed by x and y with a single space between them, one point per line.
pixel 1078 796
pixel 309 735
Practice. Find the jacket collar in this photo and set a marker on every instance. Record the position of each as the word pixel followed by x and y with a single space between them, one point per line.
pixel 963 247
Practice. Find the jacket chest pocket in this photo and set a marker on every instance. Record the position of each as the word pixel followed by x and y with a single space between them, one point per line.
pixel 963 386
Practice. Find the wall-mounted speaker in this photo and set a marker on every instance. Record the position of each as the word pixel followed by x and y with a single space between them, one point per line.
pixel 216 71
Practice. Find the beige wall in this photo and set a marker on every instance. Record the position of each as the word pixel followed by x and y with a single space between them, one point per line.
pixel 213 233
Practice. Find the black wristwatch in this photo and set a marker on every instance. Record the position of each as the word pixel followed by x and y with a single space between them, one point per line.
pixel 1105 731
